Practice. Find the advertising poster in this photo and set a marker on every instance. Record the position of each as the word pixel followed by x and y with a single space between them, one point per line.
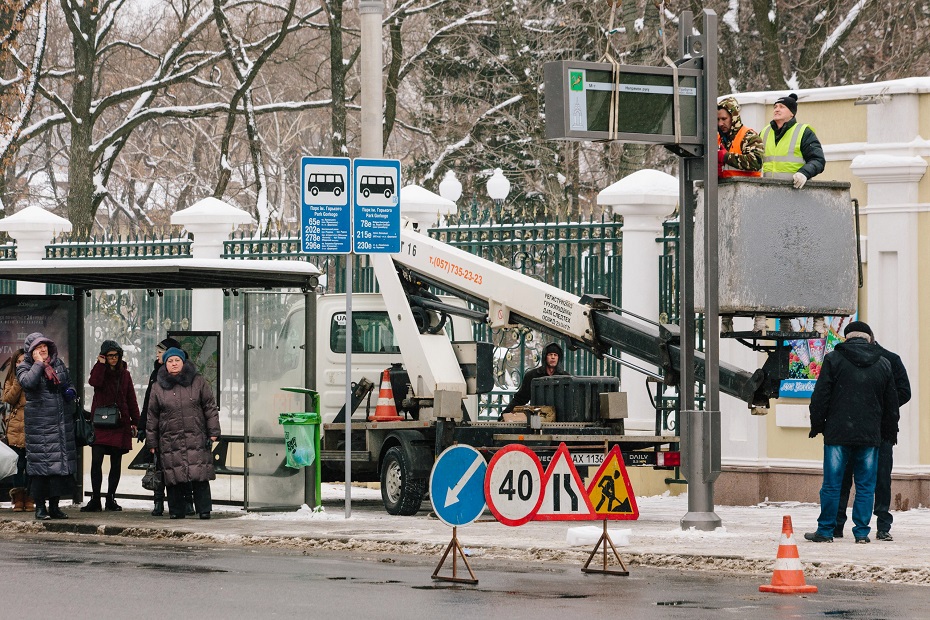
pixel 806 356
pixel 203 349
pixel 53 316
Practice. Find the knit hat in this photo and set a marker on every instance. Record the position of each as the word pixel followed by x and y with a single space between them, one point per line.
pixel 111 345
pixel 857 328
pixel 167 343
pixel 790 102
pixel 174 351
pixel 553 348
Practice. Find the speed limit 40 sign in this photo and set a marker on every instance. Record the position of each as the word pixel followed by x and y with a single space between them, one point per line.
pixel 513 485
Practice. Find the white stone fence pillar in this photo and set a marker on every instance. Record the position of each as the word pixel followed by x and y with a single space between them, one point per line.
pixel 33 228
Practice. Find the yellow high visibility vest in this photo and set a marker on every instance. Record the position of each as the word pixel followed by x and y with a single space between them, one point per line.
pixel 783 159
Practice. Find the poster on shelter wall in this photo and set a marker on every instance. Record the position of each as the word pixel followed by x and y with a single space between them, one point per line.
pixel 806 356
pixel 54 316
pixel 203 349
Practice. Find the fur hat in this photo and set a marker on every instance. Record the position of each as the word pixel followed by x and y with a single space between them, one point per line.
pixel 857 328
pixel 168 343
pixel 790 102
pixel 174 351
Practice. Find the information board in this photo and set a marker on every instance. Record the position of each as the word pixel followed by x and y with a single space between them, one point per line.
pixel 325 207
pixel 578 102
pixel 376 220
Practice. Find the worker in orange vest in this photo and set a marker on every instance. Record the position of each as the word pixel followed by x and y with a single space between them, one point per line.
pixel 740 149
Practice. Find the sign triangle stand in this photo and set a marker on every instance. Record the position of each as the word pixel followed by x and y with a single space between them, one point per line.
pixel 605 540
pixel 456 550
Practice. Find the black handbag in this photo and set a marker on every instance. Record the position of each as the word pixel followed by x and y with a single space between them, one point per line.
pixel 153 479
pixel 106 417
pixel 83 429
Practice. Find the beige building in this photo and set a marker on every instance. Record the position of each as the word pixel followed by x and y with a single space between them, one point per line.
pixel 877 138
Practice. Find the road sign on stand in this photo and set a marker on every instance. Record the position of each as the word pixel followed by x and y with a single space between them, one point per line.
pixel 513 488
pixel 376 221
pixel 610 491
pixel 456 485
pixel 564 496
pixel 325 207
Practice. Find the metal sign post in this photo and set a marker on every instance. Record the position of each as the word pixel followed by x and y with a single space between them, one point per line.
pixel 675 107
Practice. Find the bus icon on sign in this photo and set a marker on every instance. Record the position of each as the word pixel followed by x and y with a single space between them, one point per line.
pixel 376 184
pixel 330 183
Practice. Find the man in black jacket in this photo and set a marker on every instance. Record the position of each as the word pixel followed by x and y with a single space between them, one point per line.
pixel 552 365
pixel 855 406
pixel 885 460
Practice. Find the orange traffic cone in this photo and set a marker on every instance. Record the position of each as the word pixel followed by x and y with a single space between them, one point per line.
pixel 788 577
pixel 385 411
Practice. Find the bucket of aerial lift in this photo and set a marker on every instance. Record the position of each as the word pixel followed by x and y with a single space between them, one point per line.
pixel 782 251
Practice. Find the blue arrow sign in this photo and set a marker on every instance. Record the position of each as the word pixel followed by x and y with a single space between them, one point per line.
pixel 456 485
pixel 325 207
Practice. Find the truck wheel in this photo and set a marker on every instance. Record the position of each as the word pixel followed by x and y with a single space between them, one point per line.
pixel 400 493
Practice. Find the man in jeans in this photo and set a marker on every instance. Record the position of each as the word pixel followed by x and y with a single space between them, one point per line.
pixel 885 461
pixel 855 406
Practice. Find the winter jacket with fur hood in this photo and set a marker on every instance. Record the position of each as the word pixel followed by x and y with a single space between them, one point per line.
pixel 182 416
pixel 49 417
pixel 854 401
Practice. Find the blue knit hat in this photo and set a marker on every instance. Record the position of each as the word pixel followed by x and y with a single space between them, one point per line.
pixel 174 351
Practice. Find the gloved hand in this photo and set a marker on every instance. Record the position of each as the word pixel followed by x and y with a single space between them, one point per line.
pixel 69 393
pixel 721 156
pixel 813 433
pixel 799 180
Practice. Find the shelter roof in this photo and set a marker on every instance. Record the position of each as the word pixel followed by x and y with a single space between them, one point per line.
pixel 163 273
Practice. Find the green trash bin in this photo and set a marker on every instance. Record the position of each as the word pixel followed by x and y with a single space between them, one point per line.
pixel 301 437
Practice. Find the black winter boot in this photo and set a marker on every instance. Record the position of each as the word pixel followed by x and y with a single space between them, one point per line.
pixel 111 504
pixel 54 511
pixel 93 505
pixel 159 509
pixel 41 512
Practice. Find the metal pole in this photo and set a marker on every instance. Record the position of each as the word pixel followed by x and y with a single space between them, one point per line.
pixel 348 461
pixel 701 429
pixel 372 101
pixel 312 473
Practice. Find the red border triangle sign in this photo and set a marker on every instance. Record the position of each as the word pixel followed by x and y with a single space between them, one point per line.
pixel 612 500
pixel 564 495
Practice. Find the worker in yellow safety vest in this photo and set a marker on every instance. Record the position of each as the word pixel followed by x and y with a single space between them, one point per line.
pixel 739 148
pixel 792 151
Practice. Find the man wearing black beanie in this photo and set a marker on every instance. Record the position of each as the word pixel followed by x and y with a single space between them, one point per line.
pixel 792 151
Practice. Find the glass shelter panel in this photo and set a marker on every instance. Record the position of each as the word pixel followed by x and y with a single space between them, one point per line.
pixel 274 359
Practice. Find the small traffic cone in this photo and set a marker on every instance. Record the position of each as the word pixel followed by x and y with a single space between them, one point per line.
pixel 386 411
pixel 788 577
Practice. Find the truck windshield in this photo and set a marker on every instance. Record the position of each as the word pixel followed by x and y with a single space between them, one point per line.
pixel 371 333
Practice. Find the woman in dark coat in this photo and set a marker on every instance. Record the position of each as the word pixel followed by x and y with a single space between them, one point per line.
pixel 112 386
pixel 51 454
pixel 182 422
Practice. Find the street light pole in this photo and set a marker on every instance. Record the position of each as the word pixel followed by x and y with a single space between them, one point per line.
pixel 371 13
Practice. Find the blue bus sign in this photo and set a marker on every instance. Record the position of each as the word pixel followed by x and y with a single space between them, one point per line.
pixel 376 219
pixel 325 205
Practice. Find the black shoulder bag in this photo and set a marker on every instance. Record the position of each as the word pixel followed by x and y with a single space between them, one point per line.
pixel 108 417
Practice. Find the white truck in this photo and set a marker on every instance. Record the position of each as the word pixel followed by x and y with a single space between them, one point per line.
pixel 437 369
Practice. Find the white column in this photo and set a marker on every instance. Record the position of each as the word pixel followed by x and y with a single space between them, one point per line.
pixel 33 228
pixel 210 221
pixel 645 199
pixel 892 291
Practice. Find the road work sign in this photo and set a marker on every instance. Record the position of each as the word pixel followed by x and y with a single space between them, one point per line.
pixel 610 492
pixel 456 485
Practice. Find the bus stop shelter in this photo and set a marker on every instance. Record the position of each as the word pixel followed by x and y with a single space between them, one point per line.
pixel 253 276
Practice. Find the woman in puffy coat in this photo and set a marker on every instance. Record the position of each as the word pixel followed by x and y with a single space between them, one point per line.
pixel 112 386
pixel 14 396
pixel 182 421
pixel 51 454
